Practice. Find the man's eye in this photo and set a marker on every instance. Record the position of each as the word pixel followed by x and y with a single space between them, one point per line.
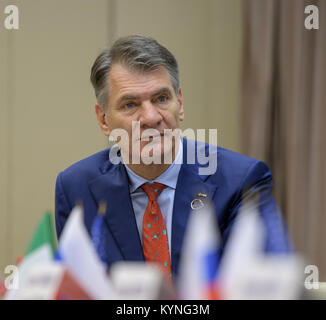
pixel 162 99
pixel 129 105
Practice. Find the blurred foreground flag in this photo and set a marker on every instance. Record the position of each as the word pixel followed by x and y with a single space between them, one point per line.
pixel 80 258
pixel 247 272
pixel 43 236
pixel 3 289
pixel 51 282
pixel 139 281
pixel 40 251
pixel 199 260
pixel 97 233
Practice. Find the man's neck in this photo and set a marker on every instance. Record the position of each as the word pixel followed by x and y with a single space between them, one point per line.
pixel 154 170
pixel 149 171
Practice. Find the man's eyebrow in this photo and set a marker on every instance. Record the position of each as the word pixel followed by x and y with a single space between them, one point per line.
pixel 127 97
pixel 162 90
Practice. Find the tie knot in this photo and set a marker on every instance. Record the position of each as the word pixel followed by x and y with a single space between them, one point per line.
pixel 153 190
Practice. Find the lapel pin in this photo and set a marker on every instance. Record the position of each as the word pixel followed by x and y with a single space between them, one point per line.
pixel 102 208
pixel 197 204
pixel 204 195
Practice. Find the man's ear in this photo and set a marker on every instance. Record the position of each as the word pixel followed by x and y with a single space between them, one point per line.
pixel 102 119
pixel 180 100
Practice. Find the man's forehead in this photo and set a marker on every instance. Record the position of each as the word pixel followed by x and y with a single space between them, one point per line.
pixel 122 78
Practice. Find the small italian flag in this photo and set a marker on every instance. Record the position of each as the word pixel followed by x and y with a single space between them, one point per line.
pixel 40 250
pixel 43 238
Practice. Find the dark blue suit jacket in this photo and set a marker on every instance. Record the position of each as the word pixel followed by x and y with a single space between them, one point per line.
pixel 96 179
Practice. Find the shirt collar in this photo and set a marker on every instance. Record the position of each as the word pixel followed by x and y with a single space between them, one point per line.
pixel 168 177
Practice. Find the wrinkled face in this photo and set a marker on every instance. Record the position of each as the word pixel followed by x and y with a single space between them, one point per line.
pixel 147 99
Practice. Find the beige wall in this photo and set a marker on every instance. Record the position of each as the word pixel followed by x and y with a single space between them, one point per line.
pixel 47 120
pixel 4 144
pixel 205 37
pixel 47 116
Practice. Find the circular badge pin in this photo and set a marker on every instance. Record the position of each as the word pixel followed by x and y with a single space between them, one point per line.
pixel 197 204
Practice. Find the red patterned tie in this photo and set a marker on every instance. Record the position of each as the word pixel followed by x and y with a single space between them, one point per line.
pixel 155 237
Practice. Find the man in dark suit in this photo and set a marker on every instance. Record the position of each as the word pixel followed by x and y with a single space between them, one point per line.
pixel 154 173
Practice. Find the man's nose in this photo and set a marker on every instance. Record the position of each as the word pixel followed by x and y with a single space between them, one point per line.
pixel 150 115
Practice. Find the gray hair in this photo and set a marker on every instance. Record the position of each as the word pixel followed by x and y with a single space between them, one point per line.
pixel 138 53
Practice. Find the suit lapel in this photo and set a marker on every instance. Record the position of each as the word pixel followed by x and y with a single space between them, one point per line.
pixel 113 188
pixel 190 183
